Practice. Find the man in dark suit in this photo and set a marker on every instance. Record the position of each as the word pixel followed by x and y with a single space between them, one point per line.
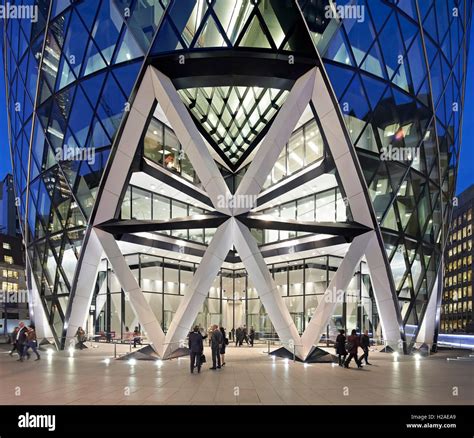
pixel 196 348
pixel 216 343
pixel 365 344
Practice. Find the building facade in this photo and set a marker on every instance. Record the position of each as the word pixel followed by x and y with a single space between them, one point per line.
pixel 456 308
pixel 14 293
pixel 9 223
pixel 287 165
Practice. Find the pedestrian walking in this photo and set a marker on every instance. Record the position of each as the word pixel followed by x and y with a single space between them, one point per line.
pixel 21 340
pixel 352 347
pixel 251 336
pixel 13 341
pixel 31 342
pixel 365 344
pixel 341 347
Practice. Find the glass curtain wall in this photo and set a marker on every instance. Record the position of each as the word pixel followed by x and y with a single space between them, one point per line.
pixel 233 300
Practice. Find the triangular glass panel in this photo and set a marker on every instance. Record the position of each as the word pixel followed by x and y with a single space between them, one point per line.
pixel 429 24
pixel 210 35
pixel 233 18
pixel 380 191
pixel 106 31
pixel 423 93
pixel 44 90
pixel 337 50
pixel 187 16
pixel 76 43
pixel 379 13
pixel 406 291
pixel 92 87
pixel 398 266
pixel 66 75
pixel 408 30
pixel 442 16
pixel 111 106
pixel 375 89
pixel 167 39
pixel 128 47
pixel 98 137
pixel 278 19
pixel 396 172
pixel 93 60
pixel 390 220
pixel 126 76
pixel 81 116
pixel 254 36
pixel 361 37
pixel 49 66
pixel 87 12
pixel 232 117
pixel 355 127
pixel 369 165
pixel 339 77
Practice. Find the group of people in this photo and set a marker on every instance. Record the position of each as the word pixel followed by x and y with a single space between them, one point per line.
pixel 350 346
pixel 23 338
pixel 241 335
pixel 217 341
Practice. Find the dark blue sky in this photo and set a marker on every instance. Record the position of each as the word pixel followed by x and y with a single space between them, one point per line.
pixel 466 172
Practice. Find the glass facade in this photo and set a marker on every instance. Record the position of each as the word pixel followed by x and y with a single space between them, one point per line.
pixel 232 300
pixel 398 75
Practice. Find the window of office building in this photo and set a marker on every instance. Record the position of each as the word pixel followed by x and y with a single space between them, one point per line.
pixel 8 259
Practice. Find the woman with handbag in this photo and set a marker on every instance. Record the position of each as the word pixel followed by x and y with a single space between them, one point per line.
pixel 224 344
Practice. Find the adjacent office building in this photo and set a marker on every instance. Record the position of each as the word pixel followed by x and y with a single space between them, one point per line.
pixel 9 223
pixel 456 308
pixel 13 294
pixel 287 165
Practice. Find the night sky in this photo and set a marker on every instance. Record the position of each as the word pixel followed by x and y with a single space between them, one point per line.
pixel 466 166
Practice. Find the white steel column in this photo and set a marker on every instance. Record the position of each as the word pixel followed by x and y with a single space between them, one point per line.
pixel 276 138
pixel 335 292
pixel 267 290
pixel 132 290
pixel 354 185
pixel 428 325
pixel 387 305
pixel 198 290
pixel 191 140
pixel 37 313
pixel 86 280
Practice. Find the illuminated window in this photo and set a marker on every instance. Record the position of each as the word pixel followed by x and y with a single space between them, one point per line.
pixel 6 245
pixel 7 273
pixel 8 259
pixel 9 287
